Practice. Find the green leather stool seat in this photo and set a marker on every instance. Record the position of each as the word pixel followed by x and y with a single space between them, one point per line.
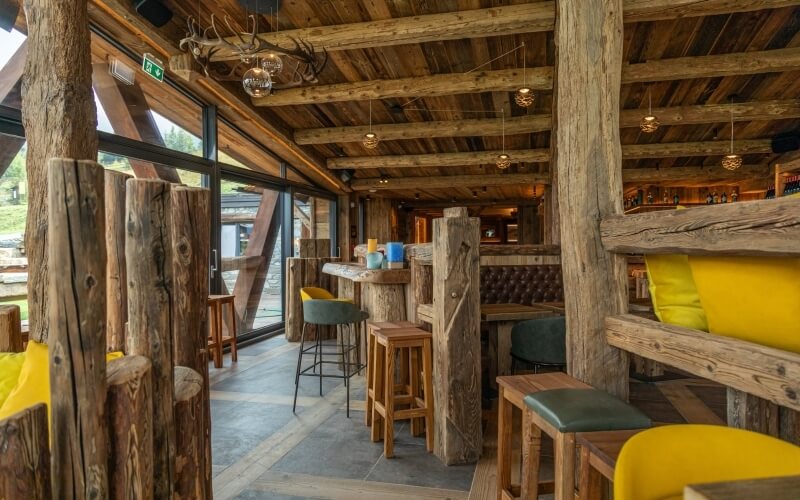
pixel 585 410
pixel 540 341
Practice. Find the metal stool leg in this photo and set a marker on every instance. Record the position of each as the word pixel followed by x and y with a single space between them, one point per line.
pixel 299 363
pixel 347 367
pixel 321 363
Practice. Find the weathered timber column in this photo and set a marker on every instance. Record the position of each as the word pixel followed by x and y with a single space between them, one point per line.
pixel 116 286
pixel 10 329
pixel 190 483
pixel 420 290
pixel 191 223
pixel 148 254
pixel 25 455
pixel 77 340
pixel 456 337
pixel 588 169
pixel 129 406
pixel 60 120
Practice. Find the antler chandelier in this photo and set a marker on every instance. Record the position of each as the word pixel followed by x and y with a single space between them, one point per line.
pixel 249 48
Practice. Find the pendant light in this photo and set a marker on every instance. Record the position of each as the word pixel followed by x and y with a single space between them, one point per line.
pixel 257 81
pixel 524 97
pixel 649 123
pixel 503 160
pixel 370 140
pixel 732 161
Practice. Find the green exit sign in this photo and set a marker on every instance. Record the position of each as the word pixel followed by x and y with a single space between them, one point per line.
pixel 153 67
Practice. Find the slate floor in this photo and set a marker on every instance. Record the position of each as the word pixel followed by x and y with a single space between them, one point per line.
pixel 251 409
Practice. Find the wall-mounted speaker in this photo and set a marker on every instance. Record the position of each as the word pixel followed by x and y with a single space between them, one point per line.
pixel 785 143
pixel 155 12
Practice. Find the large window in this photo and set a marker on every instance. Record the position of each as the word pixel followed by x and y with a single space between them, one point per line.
pixel 13 208
pixel 311 217
pixel 251 262
pixel 12 61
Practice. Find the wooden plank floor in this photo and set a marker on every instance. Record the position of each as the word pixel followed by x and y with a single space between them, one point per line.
pixel 260 448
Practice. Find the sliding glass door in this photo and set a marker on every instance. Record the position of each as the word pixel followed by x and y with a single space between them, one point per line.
pixel 250 257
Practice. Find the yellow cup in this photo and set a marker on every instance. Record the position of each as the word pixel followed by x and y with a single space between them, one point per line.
pixel 372 245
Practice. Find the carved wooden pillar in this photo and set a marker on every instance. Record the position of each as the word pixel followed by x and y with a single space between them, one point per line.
pixel 588 169
pixel 456 337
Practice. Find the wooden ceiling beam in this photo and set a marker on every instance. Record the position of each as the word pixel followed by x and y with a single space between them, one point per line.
pixel 629 175
pixel 479 23
pixel 485 127
pixel 435 159
pixel 680 68
pixel 687 68
pixel 629 152
pixel 448 182
pixel 433 85
pixel 480 127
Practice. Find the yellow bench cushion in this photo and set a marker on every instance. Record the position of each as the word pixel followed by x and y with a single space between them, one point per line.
pixel 676 300
pixel 10 367
pixel 751 298
pixel 314 293
pixel 33 383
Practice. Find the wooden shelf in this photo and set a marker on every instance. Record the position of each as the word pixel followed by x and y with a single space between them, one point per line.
pixel 360 274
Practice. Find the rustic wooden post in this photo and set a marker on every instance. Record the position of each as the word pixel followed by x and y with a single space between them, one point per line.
pixel 189 441
pixel 25 455
pixel 588 166
pixel 77 317
pixel 420 290
pixel 129 406
pixel 60 120
pixel 456 334
pixel 10 329
pixel 148 254
pixel 191 215
pixel 116 286
pixel 746 411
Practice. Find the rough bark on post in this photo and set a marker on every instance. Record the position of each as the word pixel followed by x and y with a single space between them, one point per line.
pixel 189 442
pixel 746 411
pixel 588 158
pixel 25 455
pixel 191 213
pixel 148 254
pixel 129 406
pixel 456 333
pixel 116 286
pixel 77 317
pixel 60 120
pixel 10 329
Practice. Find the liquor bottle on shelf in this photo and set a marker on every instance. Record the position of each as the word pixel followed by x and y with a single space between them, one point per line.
pixel 716 198
pixel 709 199
pixel 650 198
pixel 770 192
pixel 665 198
pixel 676 199
pixel 792 185
pixel 724 198
pixel 734 196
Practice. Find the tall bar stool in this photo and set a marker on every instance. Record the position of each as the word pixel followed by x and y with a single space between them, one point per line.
pixel 217 341
pixel 373 327
pixel 387 342
pixel 343 315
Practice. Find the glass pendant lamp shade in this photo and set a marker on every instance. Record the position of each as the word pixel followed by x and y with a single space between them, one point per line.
pixel 524 97
pixel 503 161
pixel 257 82
pixel 649 123
pixel 272 63
pixel 370 140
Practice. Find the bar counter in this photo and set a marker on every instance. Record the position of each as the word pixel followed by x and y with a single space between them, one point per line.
pixel 381 292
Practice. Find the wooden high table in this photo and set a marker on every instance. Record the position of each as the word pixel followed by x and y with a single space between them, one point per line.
pixel 501 319
pixel 381 292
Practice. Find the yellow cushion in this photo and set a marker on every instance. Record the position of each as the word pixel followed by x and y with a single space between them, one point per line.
pixel 673 291
pixel 10 366
pixel 751 298
pixel 311 292
pixel 658 463
pixel 33 385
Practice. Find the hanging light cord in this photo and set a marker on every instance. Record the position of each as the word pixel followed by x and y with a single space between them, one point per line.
pixel 370 116
pixel 524 75
pixel 503 128
pixel 731 126
pixel 649 103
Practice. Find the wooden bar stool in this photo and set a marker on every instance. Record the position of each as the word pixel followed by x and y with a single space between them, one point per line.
pixel 217 341
pixel 371 329
pixel 387 342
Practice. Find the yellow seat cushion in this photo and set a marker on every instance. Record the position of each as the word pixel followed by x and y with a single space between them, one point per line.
pixel 33 384
pixel 10 366
pixel 310 292
pixel 673 291
pixel 657 463
pixel 751 298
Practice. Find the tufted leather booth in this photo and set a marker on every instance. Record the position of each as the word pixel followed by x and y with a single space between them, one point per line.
pixel 521 284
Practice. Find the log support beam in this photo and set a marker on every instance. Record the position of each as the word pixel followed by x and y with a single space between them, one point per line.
pixel 456 334
pixel 588 39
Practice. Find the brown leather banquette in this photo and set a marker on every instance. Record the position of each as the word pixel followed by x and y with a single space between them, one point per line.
pixel 521 284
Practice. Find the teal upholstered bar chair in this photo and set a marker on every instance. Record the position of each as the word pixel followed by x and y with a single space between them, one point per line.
pixel 539 342
pixel 346 317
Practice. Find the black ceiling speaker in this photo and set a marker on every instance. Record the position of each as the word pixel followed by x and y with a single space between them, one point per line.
pixel 153 11
pixel 785 143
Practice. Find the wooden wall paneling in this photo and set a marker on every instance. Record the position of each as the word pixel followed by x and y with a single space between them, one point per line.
pixel 25 461
pixel 116 282
pixel 379 219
